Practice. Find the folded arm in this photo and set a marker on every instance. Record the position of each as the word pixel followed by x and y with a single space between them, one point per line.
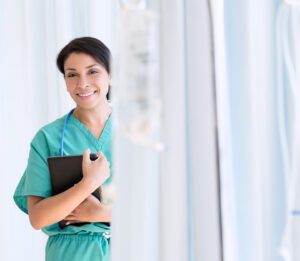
pixel 46 211
pixel 90 210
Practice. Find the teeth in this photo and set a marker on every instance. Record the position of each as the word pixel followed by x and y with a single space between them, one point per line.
pixel 85 94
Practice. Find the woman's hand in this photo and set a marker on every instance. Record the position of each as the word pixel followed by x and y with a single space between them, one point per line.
pixel 95 172
pixel 90 210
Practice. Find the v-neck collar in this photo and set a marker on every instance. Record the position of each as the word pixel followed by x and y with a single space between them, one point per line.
pixel 105 132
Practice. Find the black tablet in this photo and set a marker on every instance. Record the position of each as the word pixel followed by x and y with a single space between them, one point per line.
pixel 65 172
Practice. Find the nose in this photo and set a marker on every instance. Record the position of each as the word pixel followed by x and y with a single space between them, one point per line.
pixel 82 82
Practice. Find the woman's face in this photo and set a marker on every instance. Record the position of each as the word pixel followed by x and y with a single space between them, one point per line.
pixel 87 80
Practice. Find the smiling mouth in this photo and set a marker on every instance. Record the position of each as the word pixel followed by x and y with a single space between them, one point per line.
pixel 87 94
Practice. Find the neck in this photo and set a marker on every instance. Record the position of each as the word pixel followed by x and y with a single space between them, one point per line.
pixel 93 117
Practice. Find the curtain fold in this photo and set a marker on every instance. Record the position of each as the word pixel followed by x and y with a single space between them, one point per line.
pixel 288 70
pixel 254 183
pixel 185 210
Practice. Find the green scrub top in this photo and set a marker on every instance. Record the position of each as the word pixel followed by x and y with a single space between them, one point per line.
pixel 36 178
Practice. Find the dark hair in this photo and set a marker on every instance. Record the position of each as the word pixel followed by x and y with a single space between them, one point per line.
pixel 88 45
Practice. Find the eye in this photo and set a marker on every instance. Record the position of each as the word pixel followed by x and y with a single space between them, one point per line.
pixel 93 72
pixel 70 75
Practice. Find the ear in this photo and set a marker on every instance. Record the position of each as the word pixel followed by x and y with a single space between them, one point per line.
pixel 66 83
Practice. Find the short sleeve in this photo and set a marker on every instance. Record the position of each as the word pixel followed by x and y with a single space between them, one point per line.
pixel 36 179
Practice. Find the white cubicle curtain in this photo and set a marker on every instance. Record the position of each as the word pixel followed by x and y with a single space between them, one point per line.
pixel 168 193
pixel 254 185
pixel 288 72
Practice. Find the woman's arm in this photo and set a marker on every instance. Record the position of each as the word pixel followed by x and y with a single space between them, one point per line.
pixel 44 212
pixel 90 210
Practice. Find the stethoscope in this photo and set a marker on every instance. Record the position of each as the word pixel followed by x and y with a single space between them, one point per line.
pixel 63 132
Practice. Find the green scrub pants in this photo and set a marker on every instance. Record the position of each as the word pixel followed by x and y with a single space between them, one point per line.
pixel 78 248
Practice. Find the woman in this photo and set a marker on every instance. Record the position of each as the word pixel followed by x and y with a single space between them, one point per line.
pixel 85 64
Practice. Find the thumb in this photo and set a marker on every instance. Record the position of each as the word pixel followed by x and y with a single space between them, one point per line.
pixel 86 156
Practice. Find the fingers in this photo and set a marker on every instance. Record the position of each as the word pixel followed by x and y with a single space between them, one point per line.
pixel 100 155
pixel 91 197
pixel 86 156
pixel 71 217
pixel 87 152
pixel 72 222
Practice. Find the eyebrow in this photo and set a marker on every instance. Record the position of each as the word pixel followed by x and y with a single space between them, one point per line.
pixel 72 69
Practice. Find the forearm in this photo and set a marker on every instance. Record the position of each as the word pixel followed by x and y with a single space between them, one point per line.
pixel 105 214
pixel 51 210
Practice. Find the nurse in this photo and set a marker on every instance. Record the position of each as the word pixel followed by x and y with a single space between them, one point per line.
pixel 85 65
